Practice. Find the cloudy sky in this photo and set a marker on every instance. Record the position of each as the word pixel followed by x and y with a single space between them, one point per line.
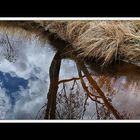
pixel 24 83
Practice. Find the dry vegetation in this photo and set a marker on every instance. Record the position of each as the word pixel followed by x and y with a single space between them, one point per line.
pixel 104 41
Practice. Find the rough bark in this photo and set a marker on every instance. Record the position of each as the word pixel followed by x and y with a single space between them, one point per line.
pixel 54 78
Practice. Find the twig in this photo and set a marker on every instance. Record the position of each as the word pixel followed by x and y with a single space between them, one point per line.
pixel 84 107
pixel 68 80
pixel 97 112
pixel 40 110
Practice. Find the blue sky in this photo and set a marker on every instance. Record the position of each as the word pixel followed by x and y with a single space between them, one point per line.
pixel 12 83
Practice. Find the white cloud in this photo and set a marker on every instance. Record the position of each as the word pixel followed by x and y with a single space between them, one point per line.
pixel 32 61
pixel 32 99
pixel 4 103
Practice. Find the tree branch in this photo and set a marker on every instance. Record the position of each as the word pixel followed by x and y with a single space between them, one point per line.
pixel 54 78
pixel 68 80
pixel 100 92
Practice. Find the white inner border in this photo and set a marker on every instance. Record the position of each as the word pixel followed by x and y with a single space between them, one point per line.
pixel 68 18
pixel 69 121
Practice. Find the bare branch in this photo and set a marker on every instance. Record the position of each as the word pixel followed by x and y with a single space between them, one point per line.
pixel 89 94
pixel 97 112
pixel 54 78
pixel 100 92
pixel 84 107
pixel 40 110
pixel 68 80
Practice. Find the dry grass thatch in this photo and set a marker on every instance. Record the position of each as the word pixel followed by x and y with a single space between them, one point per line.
pixel 105 41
